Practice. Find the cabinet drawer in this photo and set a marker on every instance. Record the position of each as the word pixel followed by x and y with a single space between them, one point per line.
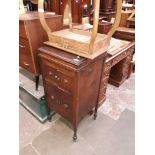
pixel 120 57
pixel 25 59
pixel 58 100
pixel 58 77
pixel 22 30
pixel 24 47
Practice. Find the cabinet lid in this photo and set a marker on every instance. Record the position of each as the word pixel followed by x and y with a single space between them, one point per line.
pixel 62 55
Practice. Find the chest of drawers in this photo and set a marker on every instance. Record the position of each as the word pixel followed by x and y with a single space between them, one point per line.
pixel 71 83
pixel 31 37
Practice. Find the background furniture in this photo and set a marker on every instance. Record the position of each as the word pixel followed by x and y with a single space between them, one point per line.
pixel 103 26
pixel 31 37
pixel 124 16
pixel 78 8
pixel 107 9
pixel 71 83
pixel 32 5
pixel 117 66
pixel 125 33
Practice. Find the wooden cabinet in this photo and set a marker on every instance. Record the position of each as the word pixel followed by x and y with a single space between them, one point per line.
pixel 71 83
pixel 31 37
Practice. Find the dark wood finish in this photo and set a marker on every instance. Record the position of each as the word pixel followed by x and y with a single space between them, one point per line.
pixel 62 5
pixel 55 6
pixel 71 83
pixel 32 36
pixel 106 6
pixel 103 26
pixel 107 9
pixel 117 68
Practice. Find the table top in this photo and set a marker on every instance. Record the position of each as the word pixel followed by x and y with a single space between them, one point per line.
pixel 117 45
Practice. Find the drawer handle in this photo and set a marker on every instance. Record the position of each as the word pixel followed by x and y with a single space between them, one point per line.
pixel 26 64
pixel 21 46
pixel 90 70
pixel 66 106
pixel 65 81
pixel 50 73
pixel 56 77
pixel 52 97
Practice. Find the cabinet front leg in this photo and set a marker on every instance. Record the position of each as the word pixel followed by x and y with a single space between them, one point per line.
pixel 95 114
pixel 75 135
pixel 37 82
pixel 95 111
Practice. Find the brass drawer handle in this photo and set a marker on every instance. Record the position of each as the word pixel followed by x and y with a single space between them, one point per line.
pixel 50 73
pixel 26 64
pixel 21 46
pixel 56 77
pixel 66 106
pixel 65 81
pixel 52 97
pixel 90 70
